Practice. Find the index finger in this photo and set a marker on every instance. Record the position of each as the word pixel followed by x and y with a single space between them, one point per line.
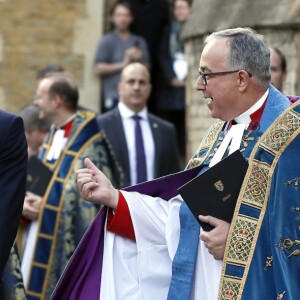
pixel 84 170
pixel 210 220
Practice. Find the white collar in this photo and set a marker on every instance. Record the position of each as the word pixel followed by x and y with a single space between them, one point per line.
pixel 71 118
pixel 233 137
pixel 245 118
pixel 127 113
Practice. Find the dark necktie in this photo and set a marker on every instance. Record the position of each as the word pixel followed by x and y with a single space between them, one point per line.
pixel 141 170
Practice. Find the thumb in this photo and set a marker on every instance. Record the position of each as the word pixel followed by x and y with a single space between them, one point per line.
pixel 90 165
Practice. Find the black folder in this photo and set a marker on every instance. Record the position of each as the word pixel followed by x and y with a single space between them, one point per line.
pixel 38 176
pixel 215 191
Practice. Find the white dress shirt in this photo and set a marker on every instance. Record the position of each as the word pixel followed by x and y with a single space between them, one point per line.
pixel 129 125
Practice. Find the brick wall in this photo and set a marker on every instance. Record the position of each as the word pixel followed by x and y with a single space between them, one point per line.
pixel 34 33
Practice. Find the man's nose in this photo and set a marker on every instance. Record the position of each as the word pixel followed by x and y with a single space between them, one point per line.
pixel 136 85
pixel 199 84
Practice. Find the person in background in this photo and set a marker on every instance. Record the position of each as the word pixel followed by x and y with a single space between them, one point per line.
pixel 149 21
pixel 116 50
pixel 60 217
pixel 36 129
pixel 48 69
pixel 278 67
pixel 158 245
pixel 171 99
pixel 13 167
pixel 159 136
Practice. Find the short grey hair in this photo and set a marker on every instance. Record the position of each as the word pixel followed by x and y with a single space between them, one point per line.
pixel 249 51
pixel 32 121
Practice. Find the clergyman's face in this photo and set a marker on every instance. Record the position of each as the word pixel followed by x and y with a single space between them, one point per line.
pixel 277 74
pixel 222 91
pixel 134 87
pixel 43 101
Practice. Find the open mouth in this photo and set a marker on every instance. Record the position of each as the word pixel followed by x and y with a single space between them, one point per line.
pixel 210 99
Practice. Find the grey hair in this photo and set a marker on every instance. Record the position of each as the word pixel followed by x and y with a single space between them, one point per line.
pixel 248 51
pixel 31 119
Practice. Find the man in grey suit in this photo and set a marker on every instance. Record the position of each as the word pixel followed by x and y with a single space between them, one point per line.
pixel 158 135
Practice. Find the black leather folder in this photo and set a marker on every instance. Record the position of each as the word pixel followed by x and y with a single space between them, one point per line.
pixel 38 176
pixel 215 191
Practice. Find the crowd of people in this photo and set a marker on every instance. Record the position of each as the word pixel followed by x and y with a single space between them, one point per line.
pixel 147 32
pixel 109 222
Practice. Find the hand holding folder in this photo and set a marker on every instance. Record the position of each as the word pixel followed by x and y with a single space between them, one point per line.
pixel 215 191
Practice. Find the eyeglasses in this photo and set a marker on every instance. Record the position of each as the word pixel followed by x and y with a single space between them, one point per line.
pixel 204 75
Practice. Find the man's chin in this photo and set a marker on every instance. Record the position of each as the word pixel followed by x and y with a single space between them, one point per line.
pixel 214 114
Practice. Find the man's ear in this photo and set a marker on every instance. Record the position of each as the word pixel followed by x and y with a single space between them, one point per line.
pixel 57 102
pixel 243 80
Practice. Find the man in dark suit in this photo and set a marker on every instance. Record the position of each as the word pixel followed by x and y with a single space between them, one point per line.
pixel 159 136
pixel 13 168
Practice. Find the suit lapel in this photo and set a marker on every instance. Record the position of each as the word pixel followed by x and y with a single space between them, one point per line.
pixel 157 142
pixel 119 143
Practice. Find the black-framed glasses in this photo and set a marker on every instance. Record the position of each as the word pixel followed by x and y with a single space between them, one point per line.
pixel 204 75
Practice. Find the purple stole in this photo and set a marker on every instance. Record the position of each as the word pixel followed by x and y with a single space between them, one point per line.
pixel 82 277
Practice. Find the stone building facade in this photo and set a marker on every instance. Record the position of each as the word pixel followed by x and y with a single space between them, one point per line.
pixel 35 33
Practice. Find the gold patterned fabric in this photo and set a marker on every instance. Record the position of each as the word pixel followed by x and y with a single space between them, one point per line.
pixel 260 214
pixel 65 216
pixel 13 287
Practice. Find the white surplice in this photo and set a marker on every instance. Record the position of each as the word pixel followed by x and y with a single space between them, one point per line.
pixel 143 269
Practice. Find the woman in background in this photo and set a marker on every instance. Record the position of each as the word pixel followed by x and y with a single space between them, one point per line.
pixel 171 102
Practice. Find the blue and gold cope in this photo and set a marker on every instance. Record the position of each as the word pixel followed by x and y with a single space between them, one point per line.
pixel 64 215
pixel 262 257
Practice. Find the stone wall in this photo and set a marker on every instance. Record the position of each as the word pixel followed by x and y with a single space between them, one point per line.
pixel 35 33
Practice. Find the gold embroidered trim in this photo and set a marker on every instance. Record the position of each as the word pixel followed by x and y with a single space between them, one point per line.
pixel 244 231
pixel 207 143
pixel 243 235
pixel 230 289
pixel 255 190
pixel 282 130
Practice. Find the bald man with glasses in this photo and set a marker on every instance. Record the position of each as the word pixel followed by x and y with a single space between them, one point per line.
pixel 169 256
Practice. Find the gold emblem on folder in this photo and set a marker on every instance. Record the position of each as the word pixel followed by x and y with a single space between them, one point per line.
pixel 219 186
